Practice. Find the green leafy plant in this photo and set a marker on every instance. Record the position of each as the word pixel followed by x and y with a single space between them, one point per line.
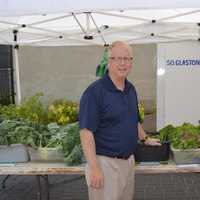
pixel 8 112
pixel 20 131
pixel 141 113
pixel 71 145
pixel 75 157
pixel 36 125
pixel 58 133
pixel 186 136
pixel 166 133
pixel 66 137
pixel 30 109
pixel 33 110
pixel 102 68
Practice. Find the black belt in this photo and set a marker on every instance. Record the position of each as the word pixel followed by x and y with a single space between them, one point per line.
pixel 118 157
pixel 122 157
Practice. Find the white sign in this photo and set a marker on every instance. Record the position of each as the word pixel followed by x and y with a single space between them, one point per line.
pixel 178 82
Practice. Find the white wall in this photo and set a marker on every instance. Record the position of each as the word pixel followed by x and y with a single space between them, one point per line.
pixel 67 71
pixel 178 96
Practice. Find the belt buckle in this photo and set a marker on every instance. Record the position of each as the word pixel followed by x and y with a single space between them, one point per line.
pixel 126 157
pixel 122 157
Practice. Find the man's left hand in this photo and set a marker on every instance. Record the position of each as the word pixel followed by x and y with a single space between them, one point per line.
pixel 152 142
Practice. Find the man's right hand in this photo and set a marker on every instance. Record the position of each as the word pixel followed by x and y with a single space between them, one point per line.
pixel 96 177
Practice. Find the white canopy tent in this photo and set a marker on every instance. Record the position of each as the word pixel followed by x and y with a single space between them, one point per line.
pixel 24 7
pixel 61 22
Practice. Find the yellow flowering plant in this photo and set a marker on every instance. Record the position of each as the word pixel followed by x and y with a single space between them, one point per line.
pixel 63 112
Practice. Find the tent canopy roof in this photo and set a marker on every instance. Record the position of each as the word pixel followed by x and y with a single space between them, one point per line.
pixel 35 7
pixel 52 22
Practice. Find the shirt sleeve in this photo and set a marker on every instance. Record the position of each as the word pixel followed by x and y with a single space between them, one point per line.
pixel 89 112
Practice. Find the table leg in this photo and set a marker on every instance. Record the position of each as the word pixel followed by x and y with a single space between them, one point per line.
pixel 46 179
pixel 4 181
pixel 38 184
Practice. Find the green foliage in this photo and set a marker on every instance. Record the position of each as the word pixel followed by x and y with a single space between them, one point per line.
pixel 43 135
pixel 57 135
pixel 102 67
pixel 141 113
pixel 186 136
pixel 8 112
pixel 198 128
pixel 72 137
pixel 166 133
pixel 71 145
pixel 63 112
pixel 30 109
pixel 75 157
pixel 68 138
pixel 28 123
pixel 33 110
pixel 20 131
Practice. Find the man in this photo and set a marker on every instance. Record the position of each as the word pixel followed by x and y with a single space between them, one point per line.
pixel 110 129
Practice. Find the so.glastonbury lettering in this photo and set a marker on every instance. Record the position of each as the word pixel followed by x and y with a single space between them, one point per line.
pixel 181 62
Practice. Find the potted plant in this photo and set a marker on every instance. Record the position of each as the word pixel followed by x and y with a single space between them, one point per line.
pixel 146 153
pixel 60 114
pixel 48 146
pixel 185 144
pixel 64 145
pixel 14 135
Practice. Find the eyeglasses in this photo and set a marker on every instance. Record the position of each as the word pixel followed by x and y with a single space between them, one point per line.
pixel 120 59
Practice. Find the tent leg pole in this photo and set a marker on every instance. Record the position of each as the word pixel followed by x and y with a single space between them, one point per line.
pixel 16 66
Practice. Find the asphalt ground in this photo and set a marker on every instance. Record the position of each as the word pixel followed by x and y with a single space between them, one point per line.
pixel 73 187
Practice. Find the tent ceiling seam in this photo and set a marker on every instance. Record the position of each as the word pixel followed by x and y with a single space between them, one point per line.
pixel 179 15
pixel 52 19
pixel 123 16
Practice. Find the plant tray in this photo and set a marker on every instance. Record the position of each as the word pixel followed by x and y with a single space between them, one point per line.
pixel 46 154
pixel 186 156
pixel 13 153
pixel 147 153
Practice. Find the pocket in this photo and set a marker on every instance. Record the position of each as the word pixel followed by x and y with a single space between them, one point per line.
pixel 132 160
pixel 87 177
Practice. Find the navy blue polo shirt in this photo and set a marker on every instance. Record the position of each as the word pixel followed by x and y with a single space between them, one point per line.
pixel 112 116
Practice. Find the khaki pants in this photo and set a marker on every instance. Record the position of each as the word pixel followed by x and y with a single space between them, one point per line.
pixel 119 179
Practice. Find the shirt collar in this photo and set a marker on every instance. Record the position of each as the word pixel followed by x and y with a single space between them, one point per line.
pixel 107 82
